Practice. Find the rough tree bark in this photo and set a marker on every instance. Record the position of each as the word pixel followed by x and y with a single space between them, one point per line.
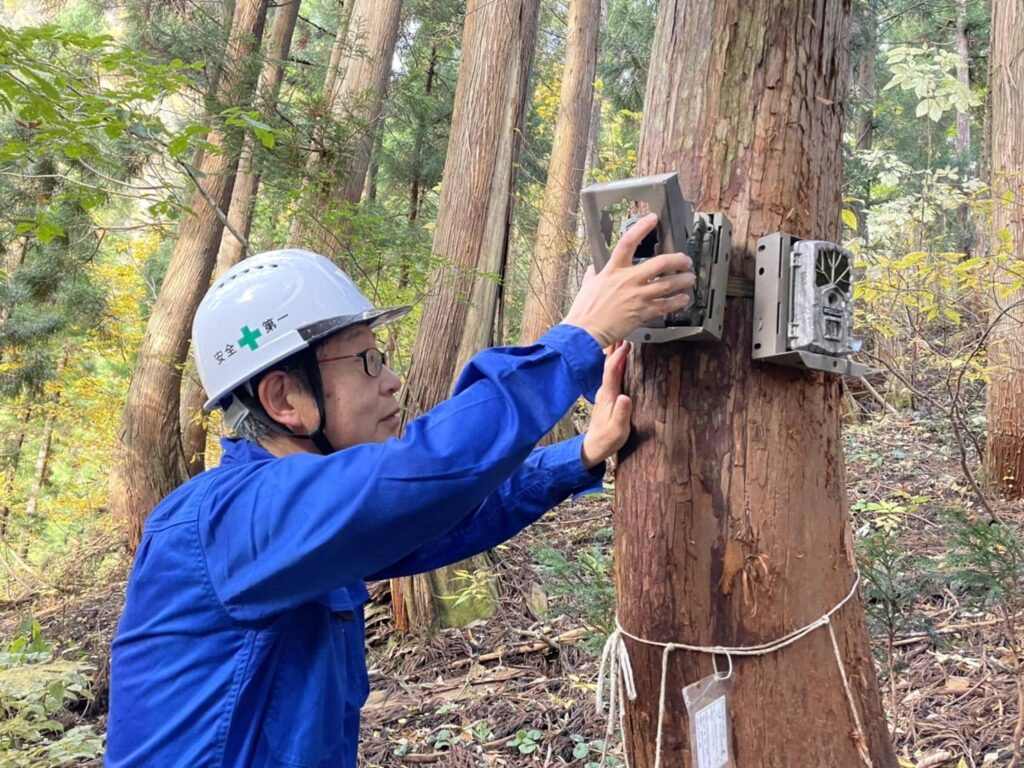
pixel 471 236
pixel 148 462
pixel 357 100
pixel 479 328
pixel 732 525
pixel 240 211
pixel 556 230
pixel 1005 409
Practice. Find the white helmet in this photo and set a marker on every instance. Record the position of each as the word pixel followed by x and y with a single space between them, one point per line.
pixel 267 308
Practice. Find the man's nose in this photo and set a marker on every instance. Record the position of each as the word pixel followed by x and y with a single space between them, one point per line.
pixel 389 381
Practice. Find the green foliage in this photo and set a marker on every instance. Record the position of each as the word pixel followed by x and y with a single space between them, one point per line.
pixel 626 42
pixel 35 688
pixel 893 577
pixel 527 742
pixel 443 740
pixel 986 559
pixel 581 584
pixel 475 587
pixel 582 749
pixel 930 74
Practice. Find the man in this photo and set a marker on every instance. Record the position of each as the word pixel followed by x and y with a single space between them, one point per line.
pixel 241 642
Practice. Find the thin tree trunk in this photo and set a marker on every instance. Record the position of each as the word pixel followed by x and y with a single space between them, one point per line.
pixel 1005 409
pixel 357 99
pixel 732 524
pixel 582 260
pixel 556 230
pixel 240 211
pixel 479 326
pixel 148 462
pixel 473 219
pixel 963 122
pixel 866 77
pixel 13 459
pixel 45 443
pixel 336 64
pixel 963 76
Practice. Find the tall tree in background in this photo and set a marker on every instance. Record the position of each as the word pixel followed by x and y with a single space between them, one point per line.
pixel 556 230
pixel 1005 448
pixel 148 460
pixel 471 236
pixel 240 211
pixel 731 524
pixel 357 100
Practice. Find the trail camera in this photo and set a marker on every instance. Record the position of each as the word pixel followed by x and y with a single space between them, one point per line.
pixel 705 237
pixel 803 304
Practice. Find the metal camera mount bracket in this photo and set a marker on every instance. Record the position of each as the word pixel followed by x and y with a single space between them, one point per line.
pixel 803 305
pixel 705 237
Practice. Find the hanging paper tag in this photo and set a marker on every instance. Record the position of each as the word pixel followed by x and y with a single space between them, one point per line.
pixel 707 704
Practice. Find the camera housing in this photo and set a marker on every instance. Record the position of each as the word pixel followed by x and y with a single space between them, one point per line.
pixel 705 237
pixel 803 305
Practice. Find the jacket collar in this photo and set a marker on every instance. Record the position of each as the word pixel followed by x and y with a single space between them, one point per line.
pixel 242 451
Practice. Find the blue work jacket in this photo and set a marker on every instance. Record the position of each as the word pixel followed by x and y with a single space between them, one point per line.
pixel 241 641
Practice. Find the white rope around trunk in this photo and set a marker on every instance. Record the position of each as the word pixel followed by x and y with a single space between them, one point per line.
pixel 617 669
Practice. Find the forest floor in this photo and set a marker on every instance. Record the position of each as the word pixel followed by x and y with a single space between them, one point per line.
pixel 519 688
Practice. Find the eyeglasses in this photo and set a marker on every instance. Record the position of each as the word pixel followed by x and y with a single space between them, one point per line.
pixel 373 360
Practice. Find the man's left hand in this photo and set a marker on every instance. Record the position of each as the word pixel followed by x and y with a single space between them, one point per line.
pixel 609 422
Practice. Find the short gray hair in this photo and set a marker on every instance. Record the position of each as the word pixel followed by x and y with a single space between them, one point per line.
pixel 253 430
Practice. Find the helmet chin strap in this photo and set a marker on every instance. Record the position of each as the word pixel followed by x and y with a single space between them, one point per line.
pixel 311 367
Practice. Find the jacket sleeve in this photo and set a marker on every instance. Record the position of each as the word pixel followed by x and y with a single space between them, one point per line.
pixel 286 531
pixel 547 477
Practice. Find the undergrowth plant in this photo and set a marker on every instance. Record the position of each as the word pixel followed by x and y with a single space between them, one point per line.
pixel 986 561
pixel 36 687
pixel 581 584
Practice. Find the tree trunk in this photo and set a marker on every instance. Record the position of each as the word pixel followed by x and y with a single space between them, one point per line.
pixel 13 459
pixel 732 524
pixel 471 235
pixel 582 260
pixel 963 124
pixel 963 76
pixel 1005 410
pixel 556 231
pixel 867 78
pixel 148 462
pixel 335 65
pixel 43 457
pixel 478 329
pixel 415 198
pixel 240 211
pixel 357 99
pixel 556 242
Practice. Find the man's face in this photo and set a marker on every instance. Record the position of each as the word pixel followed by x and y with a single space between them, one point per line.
pixel 360 408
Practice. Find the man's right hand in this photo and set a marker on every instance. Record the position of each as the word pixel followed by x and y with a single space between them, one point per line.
pixel 620 298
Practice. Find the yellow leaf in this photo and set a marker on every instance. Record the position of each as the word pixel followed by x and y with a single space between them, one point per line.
pixel 850 219
pixel 962 764
pixel 904 763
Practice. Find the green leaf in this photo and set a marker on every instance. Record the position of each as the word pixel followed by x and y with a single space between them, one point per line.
pixel 48 230
pixel 177 145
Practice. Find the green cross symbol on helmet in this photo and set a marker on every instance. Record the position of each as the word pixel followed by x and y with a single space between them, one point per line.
pixel 249 337
pixel 307 296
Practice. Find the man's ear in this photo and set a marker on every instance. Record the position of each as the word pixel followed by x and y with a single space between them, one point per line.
pixel 284 400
